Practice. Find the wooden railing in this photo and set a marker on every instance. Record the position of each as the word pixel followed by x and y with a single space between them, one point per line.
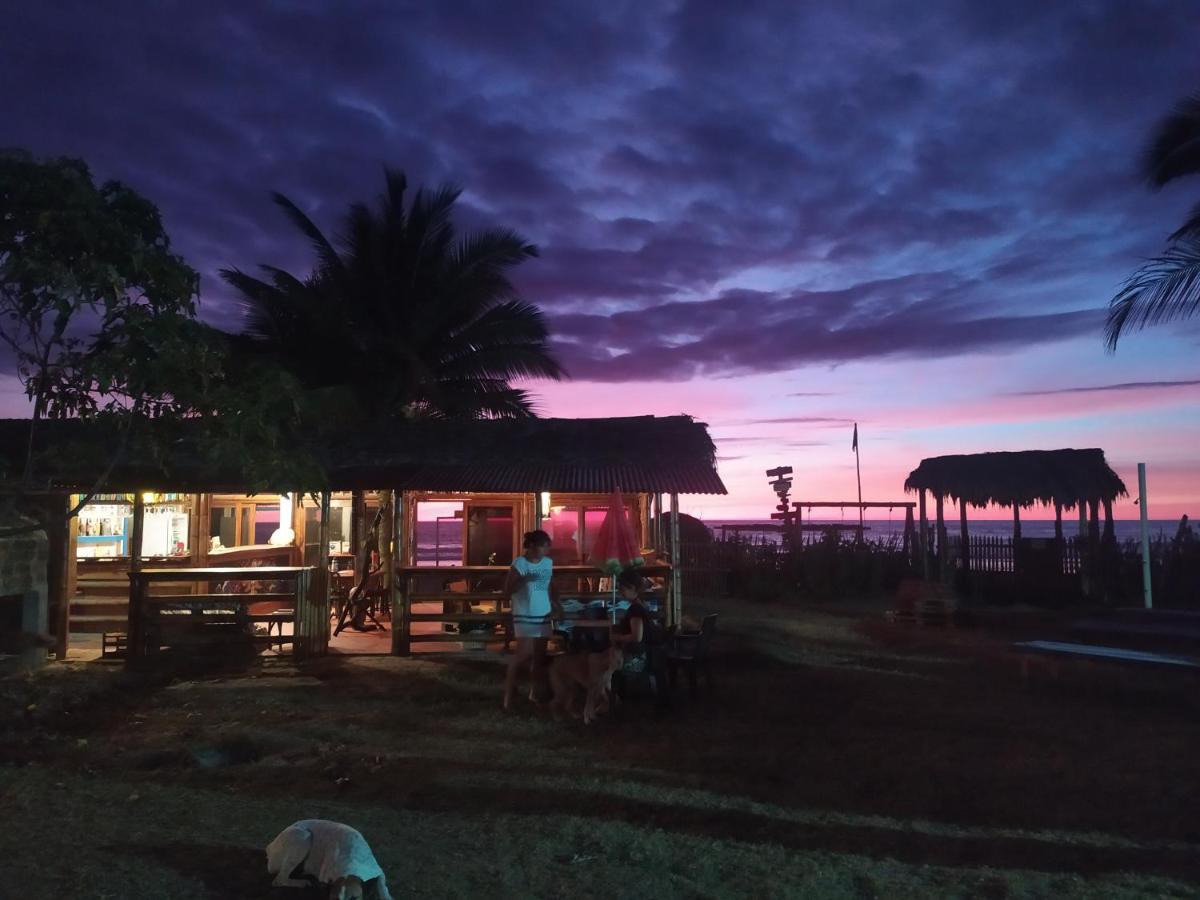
pixel 463 588
pixel 226 611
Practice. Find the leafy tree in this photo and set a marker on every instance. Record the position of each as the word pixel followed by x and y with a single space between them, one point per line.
pixel 99 316
pixel 1166 288
pixel 404 317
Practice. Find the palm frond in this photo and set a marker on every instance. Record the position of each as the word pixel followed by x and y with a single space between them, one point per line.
pixel 326 254
pixel 473 398
pixel 1190 226
pixel 1165 289
pixel 1174 148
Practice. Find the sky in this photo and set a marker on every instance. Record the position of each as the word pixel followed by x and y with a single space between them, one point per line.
pixel 781 218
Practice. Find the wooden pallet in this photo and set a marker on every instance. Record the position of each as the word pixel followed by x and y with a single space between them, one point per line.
pixel 919 603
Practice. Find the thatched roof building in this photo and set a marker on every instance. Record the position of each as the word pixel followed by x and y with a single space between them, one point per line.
pixel 1020 479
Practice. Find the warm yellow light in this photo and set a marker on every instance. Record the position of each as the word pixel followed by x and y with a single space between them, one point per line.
pixel 545 503
pixel 148 497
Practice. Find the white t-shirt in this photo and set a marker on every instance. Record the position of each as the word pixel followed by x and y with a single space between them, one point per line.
pixel 531 601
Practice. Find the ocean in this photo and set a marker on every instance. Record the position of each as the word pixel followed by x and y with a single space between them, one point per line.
pixel 884 528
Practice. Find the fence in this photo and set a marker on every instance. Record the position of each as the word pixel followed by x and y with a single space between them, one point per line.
pixel 1034 570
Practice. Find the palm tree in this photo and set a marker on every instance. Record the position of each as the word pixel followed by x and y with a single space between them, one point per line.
pixel 405 318
pixel 1166 288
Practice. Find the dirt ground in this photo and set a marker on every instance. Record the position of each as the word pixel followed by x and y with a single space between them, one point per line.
pixel 840 756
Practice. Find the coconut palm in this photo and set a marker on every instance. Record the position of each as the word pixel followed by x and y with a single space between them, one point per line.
pixel 404 316
pixel 1166 288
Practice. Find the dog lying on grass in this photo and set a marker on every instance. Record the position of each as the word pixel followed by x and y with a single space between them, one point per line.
pixel 333 854
pixel 591 671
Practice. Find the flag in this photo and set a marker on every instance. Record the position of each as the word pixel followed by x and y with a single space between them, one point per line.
pixel 854 445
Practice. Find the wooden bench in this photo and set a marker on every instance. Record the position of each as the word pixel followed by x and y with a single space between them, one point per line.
pixel 1055 651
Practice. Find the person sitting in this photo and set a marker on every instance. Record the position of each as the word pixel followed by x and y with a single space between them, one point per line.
pixel 637 628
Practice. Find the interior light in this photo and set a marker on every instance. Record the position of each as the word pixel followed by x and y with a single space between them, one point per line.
pixel 545 503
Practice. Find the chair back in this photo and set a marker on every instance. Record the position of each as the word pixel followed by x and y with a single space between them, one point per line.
pixel 708 627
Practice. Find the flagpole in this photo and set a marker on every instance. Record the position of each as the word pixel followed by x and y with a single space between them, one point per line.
pixel 858 472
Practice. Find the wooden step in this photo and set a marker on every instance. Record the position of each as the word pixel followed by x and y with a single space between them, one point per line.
pixel 99 606
pixel 97 624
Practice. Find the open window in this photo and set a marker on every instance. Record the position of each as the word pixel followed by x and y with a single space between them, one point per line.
pixel 106 526
pixel 243 521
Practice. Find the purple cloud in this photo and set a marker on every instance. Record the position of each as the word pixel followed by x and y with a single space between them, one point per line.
pixel 714 190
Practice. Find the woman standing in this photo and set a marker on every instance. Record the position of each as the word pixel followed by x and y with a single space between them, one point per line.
pixel 529 584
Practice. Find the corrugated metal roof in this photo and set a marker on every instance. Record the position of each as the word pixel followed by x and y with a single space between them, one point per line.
pixel 578 478
pixel 645 453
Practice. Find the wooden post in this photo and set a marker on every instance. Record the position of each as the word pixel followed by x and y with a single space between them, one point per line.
pixel 964 538
pixel 135 640
pixel 1058 529
pixel 941 537
pixel 1110 535
pixel 676 565
pixel 658 523
pixel 384 539
pixel 924 535
pixel 197 532
pixel 60 566
pixel 1085 559
pixel 909 532
pixel 311 636
pixel 139 525
pixel 406 530
pixel 1144 518
pixel 1097 562
pixel 1016 521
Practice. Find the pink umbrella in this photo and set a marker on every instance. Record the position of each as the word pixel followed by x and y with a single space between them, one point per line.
pixel 615 547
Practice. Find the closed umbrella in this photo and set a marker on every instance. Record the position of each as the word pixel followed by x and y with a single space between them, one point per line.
pixel 616 546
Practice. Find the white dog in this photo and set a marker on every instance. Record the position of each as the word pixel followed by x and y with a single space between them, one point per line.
pixel 332 853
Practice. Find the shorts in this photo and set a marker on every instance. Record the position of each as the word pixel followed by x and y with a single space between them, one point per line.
pixel 533 629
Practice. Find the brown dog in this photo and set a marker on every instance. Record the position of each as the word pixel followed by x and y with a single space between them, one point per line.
pixel 591 671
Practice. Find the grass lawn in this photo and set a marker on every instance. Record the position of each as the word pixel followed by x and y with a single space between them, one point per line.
pixel 840 757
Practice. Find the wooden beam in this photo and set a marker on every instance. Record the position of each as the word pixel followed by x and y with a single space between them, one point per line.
pixel 1109 533
pixel 1058 529
pixel 1016 522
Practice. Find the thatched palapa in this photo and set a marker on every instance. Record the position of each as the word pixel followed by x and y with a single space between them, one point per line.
pixel 1023 478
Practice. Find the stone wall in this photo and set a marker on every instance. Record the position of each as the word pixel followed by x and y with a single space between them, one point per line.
pixel 23 571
